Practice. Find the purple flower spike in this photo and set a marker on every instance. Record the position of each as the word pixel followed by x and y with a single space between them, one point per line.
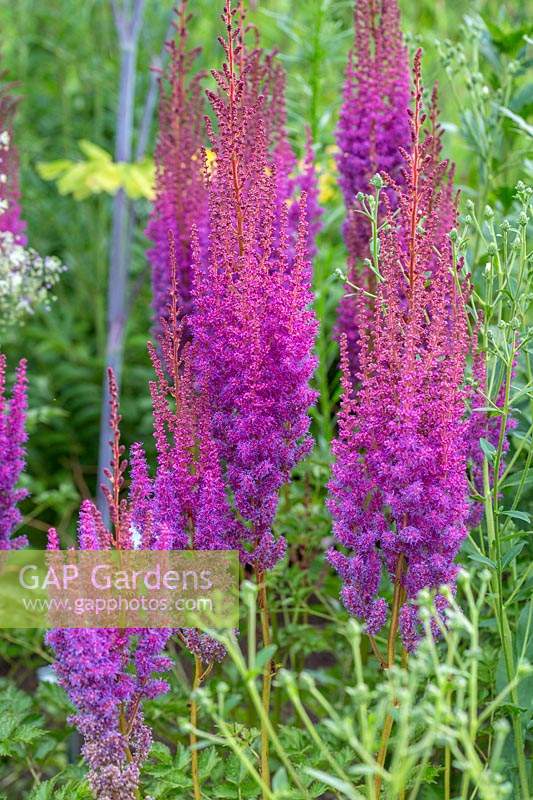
pixel 12 454
pixel 181 199
pixel 372 128
pixel 108 673
pixel 252 326
pixel 399 491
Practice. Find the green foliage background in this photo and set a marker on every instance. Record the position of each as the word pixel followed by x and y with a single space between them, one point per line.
pixel 64 56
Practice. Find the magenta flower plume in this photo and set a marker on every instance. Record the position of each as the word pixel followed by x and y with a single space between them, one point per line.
pixel 10 212
pixel 180 185
pixel 12 454
pixel 107 673
pixel 252 325
pixel 372 128
pixel 399 491
pixel 181 192
pixel 187 498
pixel 263 76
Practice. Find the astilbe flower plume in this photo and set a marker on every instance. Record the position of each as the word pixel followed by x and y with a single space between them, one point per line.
pixel 187 496
pixel 182 173
pixel 263 76
pixel 399 491
pixel 372 128
pixel 181 200
pixel 107 673
pixel 12 454
pixel 252 322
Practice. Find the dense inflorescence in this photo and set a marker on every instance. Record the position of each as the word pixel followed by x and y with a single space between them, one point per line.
pixel 263 76
pixel 252 323
pixel 107 673
pixel 187 498
pixel 12 454
pixel 184 166
pixel 181 200
pixel 399 492
pixel 372 128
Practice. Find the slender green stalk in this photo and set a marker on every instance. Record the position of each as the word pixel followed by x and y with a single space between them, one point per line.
pixel 193 740
pixel 447 772
pixel 310 726
pixel 257 700
pixel 267 677
pixel 492 495
pixel 391 655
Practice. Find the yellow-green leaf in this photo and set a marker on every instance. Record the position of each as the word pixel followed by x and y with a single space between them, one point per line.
pixel 50 170
pixel 93 151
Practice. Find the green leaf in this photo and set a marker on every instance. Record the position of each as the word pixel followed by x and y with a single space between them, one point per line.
pixel 334 783
pixel 51 170
pixel 138 180
pixel 488 449
pixel 507 39
pixel 481 559
pixel 521 515
pixel 93 151
pixel 512 553
pixel 280 781
pixel 524 126
pixel 264 656
pixel 516 479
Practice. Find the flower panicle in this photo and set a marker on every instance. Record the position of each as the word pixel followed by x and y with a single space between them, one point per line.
pixel 13 438
pixel 108 673
pixel 10 211
pixel 180 199
pixel 252 325
pixel 372 128
pixel 399 492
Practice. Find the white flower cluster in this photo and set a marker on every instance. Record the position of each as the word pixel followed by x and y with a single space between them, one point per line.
pixel 26 279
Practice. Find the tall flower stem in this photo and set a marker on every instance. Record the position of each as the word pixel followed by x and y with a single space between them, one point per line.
pixel 447 772
pixel 397 602
pixel 123 724
pixel 197 792
pixel 267 676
